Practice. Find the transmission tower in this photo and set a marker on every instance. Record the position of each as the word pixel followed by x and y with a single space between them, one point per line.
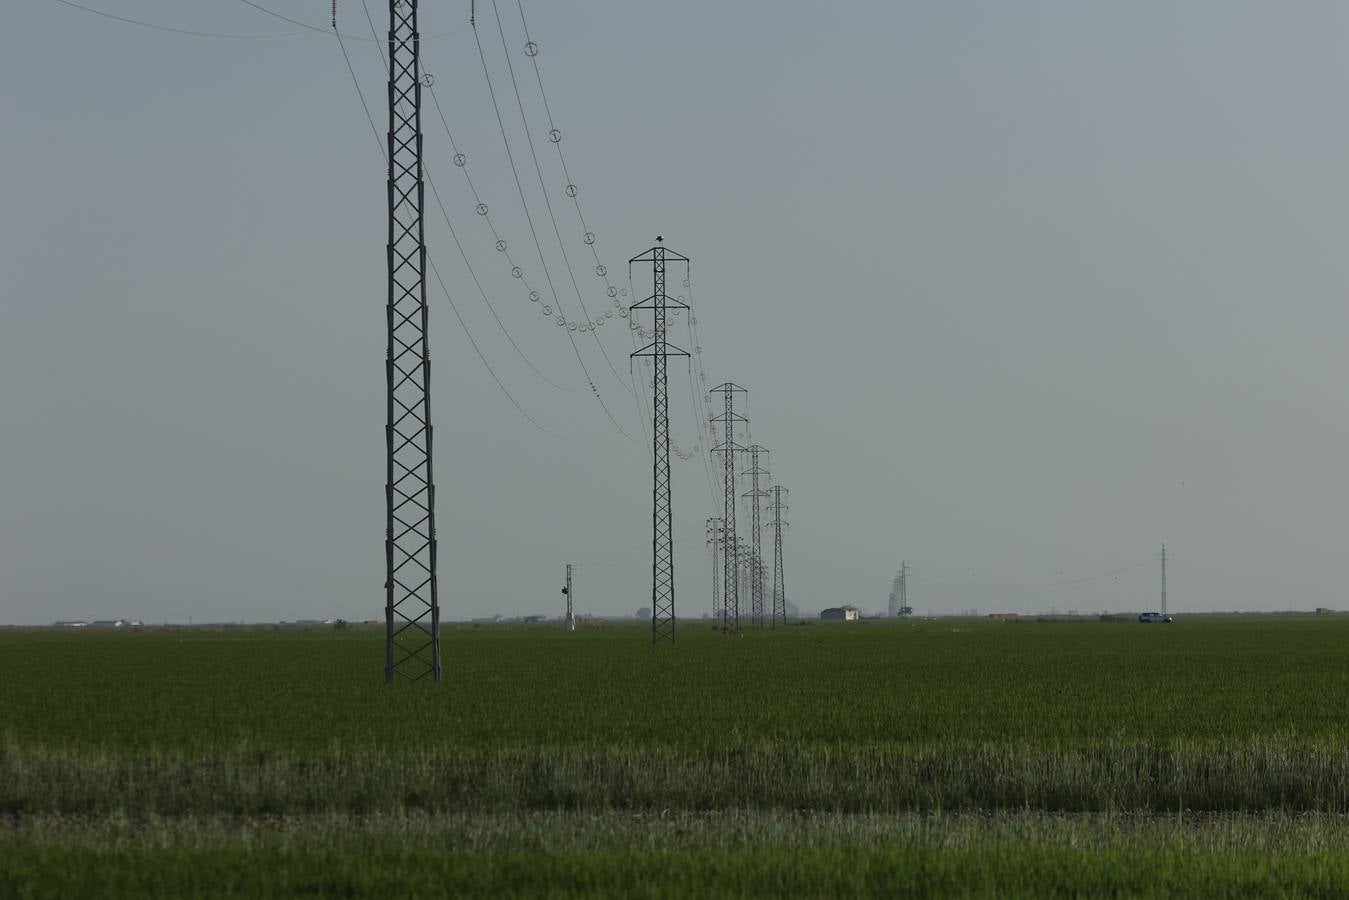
pixel 756 495
pixel 662 512
pixel 779 581
pixel 904 608
pixel 1164 579
pixel 568 623
pixel 730 607
pixel 742 566
pixel 899 593
pixel 411 606
pixel 714 544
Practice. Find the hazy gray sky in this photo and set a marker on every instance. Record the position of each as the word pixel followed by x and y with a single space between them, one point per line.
pixel 1019 290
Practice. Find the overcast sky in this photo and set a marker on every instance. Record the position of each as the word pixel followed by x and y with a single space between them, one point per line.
pixel 1019 291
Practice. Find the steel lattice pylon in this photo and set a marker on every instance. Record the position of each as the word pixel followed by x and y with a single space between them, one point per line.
pixel 730 582
pixel 714 544
pixel 755 495
pixel 779 581
pixel 412 609
pixel 662 511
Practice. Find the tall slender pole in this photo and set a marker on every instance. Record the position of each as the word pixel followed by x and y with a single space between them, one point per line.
pixel 570 622
pixel 904 608
pixel 756 495
pixel 714 544
pixel 411 604
pixel 1163 579
pixel 730 584
pixel 662 509
pixel 779 581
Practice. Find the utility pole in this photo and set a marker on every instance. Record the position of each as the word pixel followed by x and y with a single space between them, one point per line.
pixel 662 510
pixel 714 544
pixel 1163 578
pixel 411 603
pixel 730 583
pixel 779 581
pixel 570 622
pixel 755 495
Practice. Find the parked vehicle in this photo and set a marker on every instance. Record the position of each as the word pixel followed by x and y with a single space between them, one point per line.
pixel 1153 617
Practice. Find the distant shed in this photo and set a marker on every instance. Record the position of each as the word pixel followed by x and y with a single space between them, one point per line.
pixel 839 614
pixel 1324 611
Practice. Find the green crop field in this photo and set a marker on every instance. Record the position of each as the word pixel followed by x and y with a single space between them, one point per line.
pixel 924 758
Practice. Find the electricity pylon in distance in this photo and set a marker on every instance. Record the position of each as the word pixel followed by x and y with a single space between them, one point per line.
pixel 779 507
pixel 714 544
pixel 756 496
pixel 730 582
pixel 568 623
pixel 899 593
pixel 662 511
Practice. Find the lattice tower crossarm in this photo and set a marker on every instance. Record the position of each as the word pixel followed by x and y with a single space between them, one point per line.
pixel 730 582
pixel 412 605
pixel 756 495
pixel 779 580
pixel 662 510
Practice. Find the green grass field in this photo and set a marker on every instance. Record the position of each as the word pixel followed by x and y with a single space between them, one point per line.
pixel 1209 757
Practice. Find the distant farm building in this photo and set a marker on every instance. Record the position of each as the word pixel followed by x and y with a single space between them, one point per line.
pixel 839 614
pixel 1004 616
pixel 1324 611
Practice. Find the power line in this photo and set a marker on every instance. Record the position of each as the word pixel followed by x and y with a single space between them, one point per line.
pixel 555 136
pixel 188 31
pixel 310 27
pixel 570 190
pixel 461 162
pixel 361 94
pixel 510 157
pixel 488 366
pixel 707 469
pixel 481 291
pixel 703 410
pixel 307 26
pixel 454 235
pixel 436 272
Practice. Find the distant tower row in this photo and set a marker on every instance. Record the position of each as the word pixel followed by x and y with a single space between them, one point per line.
pixel 738 565
pixel 899 593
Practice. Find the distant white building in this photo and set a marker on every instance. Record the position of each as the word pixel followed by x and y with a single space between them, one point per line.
pixel 839 614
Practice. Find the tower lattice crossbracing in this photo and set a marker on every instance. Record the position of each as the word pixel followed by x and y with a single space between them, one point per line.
pixel 412 609
pixel 662 510
pixel 730 582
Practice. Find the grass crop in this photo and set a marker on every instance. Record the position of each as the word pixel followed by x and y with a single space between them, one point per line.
pixel 177 752
pixel 727 855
